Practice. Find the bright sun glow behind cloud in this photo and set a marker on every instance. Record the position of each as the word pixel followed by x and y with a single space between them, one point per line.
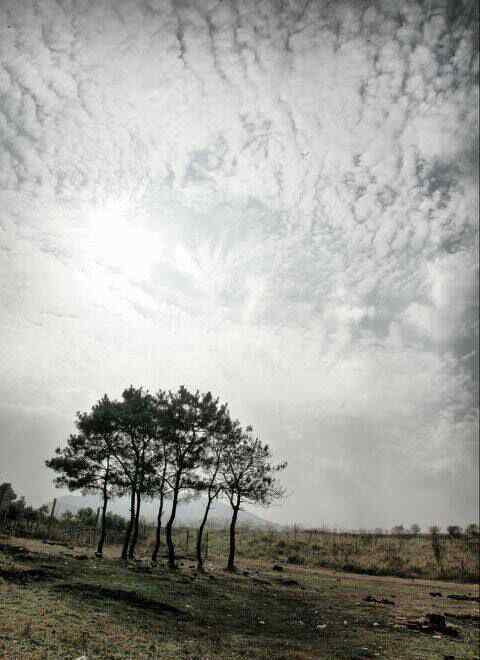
pixel 114 237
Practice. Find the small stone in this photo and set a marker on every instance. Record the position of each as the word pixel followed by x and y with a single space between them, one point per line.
pixel 436 620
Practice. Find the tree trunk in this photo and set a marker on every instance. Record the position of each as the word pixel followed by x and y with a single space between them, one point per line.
pixel 103 527
pixel 168 529
pixel 133 542
pixel 231 554
pixel 200 534
pixel 128 531
pixel 158 530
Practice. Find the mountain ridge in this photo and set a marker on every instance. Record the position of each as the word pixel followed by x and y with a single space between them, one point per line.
pixel 188 513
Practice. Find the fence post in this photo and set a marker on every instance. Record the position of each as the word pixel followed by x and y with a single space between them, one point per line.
pixel 187 539
pixel 206 545
pixel 50 520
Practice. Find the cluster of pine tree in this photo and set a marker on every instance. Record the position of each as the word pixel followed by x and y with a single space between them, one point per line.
pixel 162 446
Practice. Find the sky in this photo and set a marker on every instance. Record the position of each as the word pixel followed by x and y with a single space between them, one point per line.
pixel 274 200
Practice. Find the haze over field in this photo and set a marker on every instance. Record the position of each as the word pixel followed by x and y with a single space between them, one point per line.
pixel 275 201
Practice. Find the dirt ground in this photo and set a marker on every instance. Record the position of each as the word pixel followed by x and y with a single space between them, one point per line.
pixel 58 602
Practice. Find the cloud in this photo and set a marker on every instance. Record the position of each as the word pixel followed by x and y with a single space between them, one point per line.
pixel 273 202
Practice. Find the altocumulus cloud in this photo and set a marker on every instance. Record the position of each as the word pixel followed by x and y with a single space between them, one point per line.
pixel 272 200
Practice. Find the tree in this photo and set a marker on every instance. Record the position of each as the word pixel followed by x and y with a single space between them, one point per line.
pixel 191 418
pixel 398 529
pixel 101 426
pixel 159 483
pixel 415 529
pixel 7 496
pixel 454 531
pixel 210 480
pixel 133 451
pixel 472 530
pixel 160 487
pixel 16 508
pixel 437 547
pixel 248 476
pixel 86 516
pixel 86 462
pixel 115 521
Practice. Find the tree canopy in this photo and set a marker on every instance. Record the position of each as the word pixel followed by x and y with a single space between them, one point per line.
pixel 162 445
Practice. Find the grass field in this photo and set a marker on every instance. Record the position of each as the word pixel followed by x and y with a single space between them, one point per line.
pixel 403 556
pixel 457 559
pixel 57 603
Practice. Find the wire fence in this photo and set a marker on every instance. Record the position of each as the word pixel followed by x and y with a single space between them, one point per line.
pixel 383 553
pixel 56 531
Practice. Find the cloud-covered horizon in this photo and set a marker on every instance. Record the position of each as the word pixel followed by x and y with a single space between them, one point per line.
pixel 275 201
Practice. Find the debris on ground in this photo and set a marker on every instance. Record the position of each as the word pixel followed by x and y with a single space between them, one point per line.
pixel 289 583
pixel 436 594
pixel 277 567
pixel 463 617
pixel 473 599
pixel 432 623
pixel 59 543
pixel 380 601
pixel 364 652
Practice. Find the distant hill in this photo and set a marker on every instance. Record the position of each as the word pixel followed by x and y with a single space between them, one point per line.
pixel 188 513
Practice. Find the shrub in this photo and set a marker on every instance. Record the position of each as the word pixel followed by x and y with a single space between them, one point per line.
pixel 438 550
pixel 454 531
pixel 295 559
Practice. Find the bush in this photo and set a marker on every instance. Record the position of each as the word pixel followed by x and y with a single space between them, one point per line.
pixel 295 559
pixel 438 550
pixel 454 531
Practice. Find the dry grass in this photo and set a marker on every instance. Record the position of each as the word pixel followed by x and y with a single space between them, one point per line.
pixel 109 610
pixel 408 556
